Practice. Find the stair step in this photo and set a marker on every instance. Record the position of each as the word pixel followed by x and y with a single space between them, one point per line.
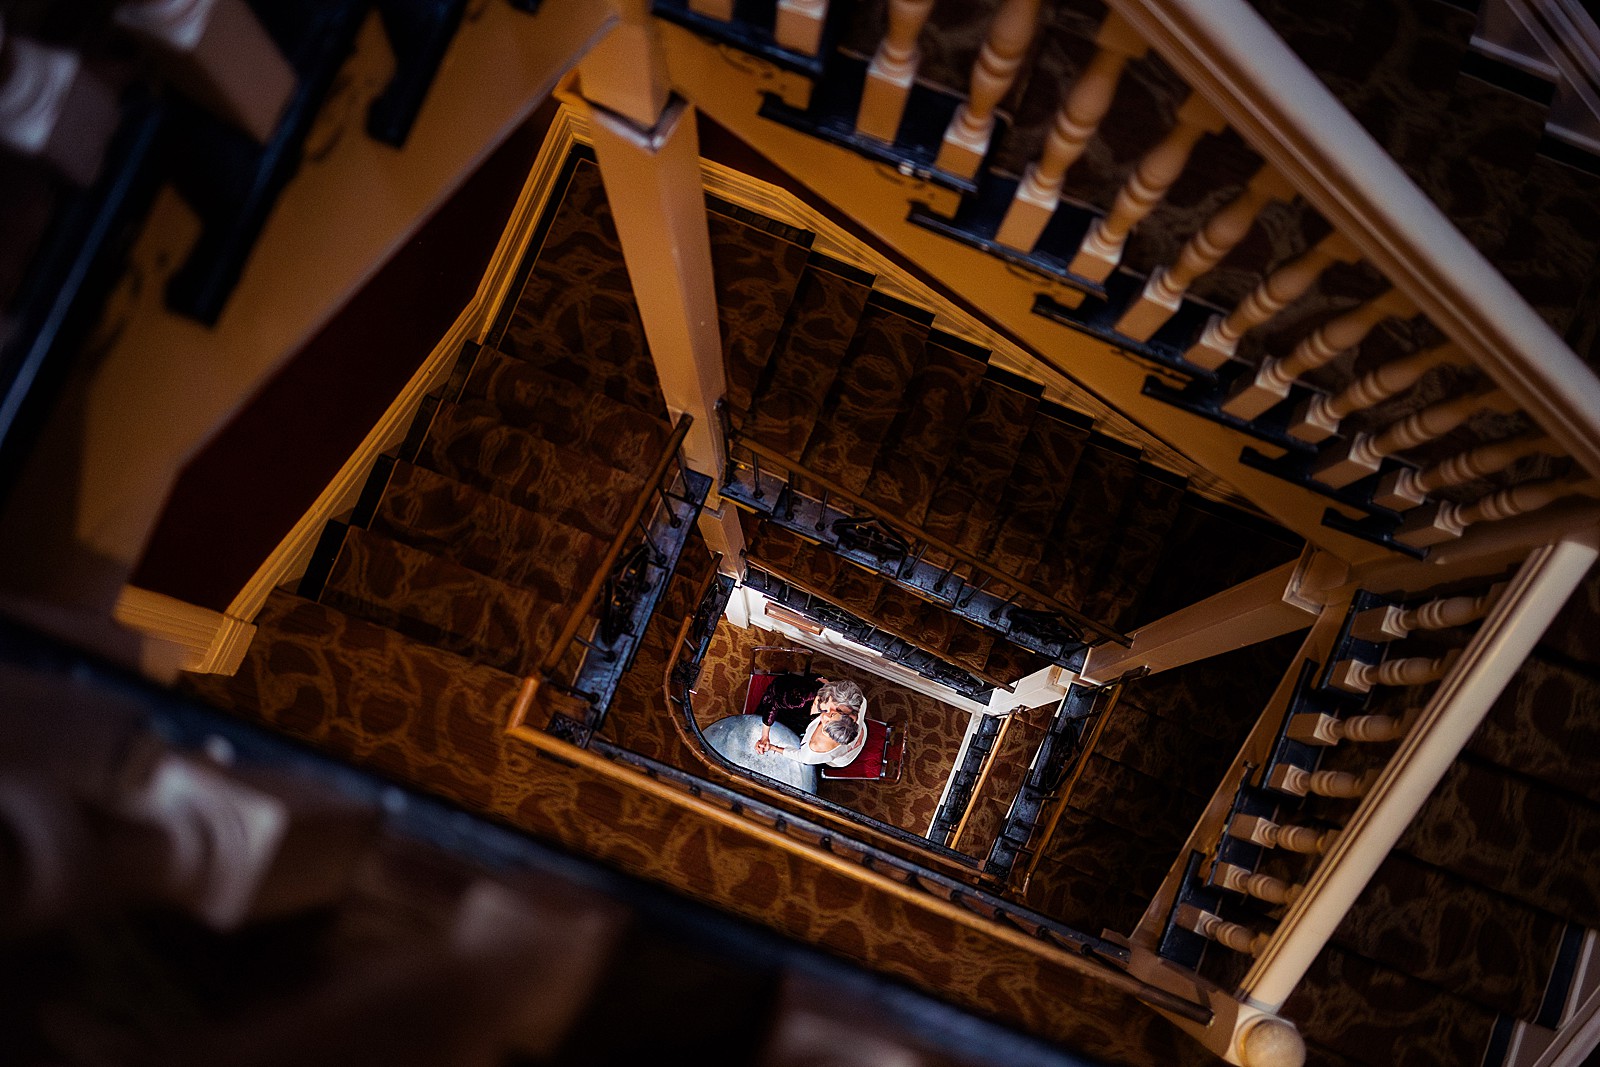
pixel 1147 807
pixel 1010 662
pixel 1378 1016
pixel 966 500
pixel 1163 749
pixel 579 288
pixel 484 533
pixel 810 351
pixel 1008 766
pixel 1514 836
pixel 756 273
pixel 1545 725
pixel 926 431
pixel 859 411
pixel 1144 522
pixel 1084 531
pixel 1432 925
pixel 1038 487
pixel 321 674
pixel 531 399
pixel 1575 633
pixel 572 488
pixel 1093 875
pixel 441 603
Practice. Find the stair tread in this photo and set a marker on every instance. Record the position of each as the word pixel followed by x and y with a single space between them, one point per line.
pixel 756 274
pixel 441 603
pixel 1545 725
pixel 579 288
pixel 1094 875
pixel 1511 835
pixel 1035 492
pixel 925 434
pixel 1144 522
pixel 485 533
pixel 532 399
pixel 1379 1016
pixel 1486 948
pixel 1085 529
pixel 859 411
pixel 1145 806
pixel 571 487
pixel 340 680
pixel 1008 766
pixel 810 351
pixel 966 500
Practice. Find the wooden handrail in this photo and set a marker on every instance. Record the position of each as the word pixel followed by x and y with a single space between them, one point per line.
pixel 839 492
pixel 1225 50
pixel 597 581
pixel 1430 746
pixel 1059 803
pixel 1075 960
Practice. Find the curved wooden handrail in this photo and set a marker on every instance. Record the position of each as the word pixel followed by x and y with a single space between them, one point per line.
pixel 839 492
pixel 597 581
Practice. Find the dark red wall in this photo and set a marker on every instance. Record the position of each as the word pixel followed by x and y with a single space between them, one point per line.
pixel 237 499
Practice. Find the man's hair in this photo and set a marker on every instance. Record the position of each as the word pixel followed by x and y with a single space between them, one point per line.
pixel 846 692
pixel 842 728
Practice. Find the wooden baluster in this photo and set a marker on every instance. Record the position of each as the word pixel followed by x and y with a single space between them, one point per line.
pixel 1220 339
pixel 1307 840
pixel 966 142
pixel 53 108
pixel 799 25
pixel 218 54
pixel 1163 293
pixel 1261 886
pixel 1352 460
pixel 721 10
pixel 1407 487
pixel 1318 728
pixel 1390 622
pixel 1297 781
pixel 1270 384
pixel 1103 245
pixel 1039 192
pixel 1446 521
pixel 1318 418
pixel 1353 676
pixel 893 70
pixel 1215 928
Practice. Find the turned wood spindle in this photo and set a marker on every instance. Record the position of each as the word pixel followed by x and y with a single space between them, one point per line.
pixel 966 141
pixel 1270 384
pixel 1319 728
pixel 1220 339
pixel 1446 521
pixel 1353 676
pixel 1354 459
pixel 1222 232
pixel 1215 928
pixel 798 25
pixel 1297 781
pixel 1408 488
pixel 893 70
pixel 1103 245
pixel 1318 418
pixel 1261 886
pixel 1086 103
pixel 1390 622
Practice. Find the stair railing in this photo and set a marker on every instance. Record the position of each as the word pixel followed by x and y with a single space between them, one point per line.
pixel 967 140
pixel 759 476
pixel 893 70
pixel 1225 51
pixel 1428 739
pixel 610 605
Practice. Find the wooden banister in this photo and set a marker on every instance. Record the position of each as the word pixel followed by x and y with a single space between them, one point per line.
pixel 1224 50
